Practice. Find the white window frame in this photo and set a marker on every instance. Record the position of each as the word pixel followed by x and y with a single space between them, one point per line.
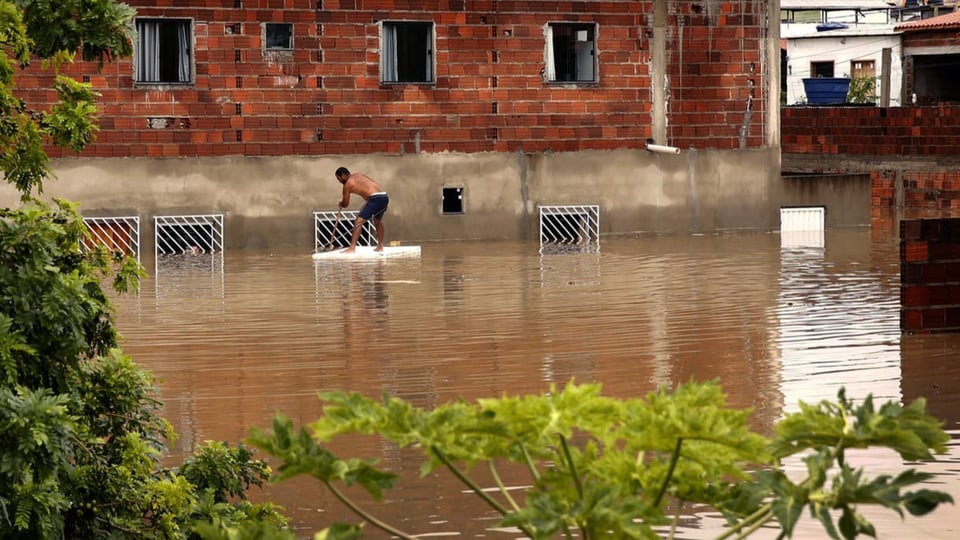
pixel 586 68
pixel 393 46
pixel 148 57
pixel 266 37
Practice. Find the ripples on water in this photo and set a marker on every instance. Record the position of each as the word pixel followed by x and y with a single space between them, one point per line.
pixel 235 337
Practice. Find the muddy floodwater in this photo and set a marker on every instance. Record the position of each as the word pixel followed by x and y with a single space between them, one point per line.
pixel 235 337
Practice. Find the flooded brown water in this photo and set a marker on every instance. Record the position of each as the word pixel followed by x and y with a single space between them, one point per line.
pixel 237 337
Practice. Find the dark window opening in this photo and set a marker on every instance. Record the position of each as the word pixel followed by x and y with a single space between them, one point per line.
pixel 406 54
pixel 821 69
pixel 570 228
pixel 163 51
pixel 185 239
pixel 571 52
pixel 936 78
pixel 278 36
pixel 452 200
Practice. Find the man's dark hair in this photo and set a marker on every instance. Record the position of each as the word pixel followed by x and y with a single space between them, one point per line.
pixel 342 171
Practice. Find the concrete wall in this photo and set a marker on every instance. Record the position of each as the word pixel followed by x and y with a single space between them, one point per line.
pixel 846 197
pixel 269 201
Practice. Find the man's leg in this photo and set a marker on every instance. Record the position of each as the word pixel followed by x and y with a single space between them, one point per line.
pixel 378 224
pixel 357 227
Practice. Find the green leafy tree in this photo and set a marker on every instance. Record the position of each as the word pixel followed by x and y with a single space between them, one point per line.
pixel 80 427
pixel 600 467
pixel 862 90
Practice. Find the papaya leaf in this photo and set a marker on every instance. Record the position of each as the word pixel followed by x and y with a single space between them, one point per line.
pixel 340 531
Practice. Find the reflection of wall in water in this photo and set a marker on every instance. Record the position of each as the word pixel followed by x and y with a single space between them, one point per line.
pixel 198 278
pixel 931 371
pixel 834 321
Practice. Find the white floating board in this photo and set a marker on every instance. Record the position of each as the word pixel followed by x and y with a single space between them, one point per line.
pixel 367 252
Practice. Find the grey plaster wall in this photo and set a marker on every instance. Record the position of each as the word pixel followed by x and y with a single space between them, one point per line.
pixel 845 196
pixel 269 201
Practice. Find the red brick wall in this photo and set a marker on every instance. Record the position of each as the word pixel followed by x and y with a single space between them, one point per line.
pixel 930 262
pixel 489 93
pixel 926 194
pixel 871 131
pixel 716 71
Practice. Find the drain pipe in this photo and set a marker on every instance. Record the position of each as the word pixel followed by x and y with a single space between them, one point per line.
pixel 662 149
pixel 658 71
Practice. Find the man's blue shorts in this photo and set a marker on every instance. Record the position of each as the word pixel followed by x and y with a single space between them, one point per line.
pixel 376 206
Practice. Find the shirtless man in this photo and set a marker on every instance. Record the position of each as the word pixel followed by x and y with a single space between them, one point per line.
pixel 377 200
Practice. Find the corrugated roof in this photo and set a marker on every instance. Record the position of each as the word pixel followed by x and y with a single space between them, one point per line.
pixel 943 22
pixel 838 4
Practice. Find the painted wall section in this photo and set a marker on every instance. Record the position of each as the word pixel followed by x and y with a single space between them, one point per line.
pixel 844 48
pixel 930 262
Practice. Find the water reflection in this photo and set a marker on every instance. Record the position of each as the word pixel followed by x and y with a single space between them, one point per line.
pixel 773 324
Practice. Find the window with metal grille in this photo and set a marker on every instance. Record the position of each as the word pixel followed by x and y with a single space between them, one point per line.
pixel 335 231
pixel 576 225
pixel 194 235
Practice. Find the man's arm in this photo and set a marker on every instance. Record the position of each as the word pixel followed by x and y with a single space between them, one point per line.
pixel 345 200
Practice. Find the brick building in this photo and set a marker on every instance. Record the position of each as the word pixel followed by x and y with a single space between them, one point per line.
pixel 910 155
pixel 452 89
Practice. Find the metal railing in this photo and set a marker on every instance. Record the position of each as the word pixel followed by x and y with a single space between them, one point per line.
pixel 191 236
pixel 802 226
pixel 114 233
pixel 328 230
pixel 195 235
pixel 574 228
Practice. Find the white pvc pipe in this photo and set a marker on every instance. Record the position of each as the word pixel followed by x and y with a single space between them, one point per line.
pixel 661 149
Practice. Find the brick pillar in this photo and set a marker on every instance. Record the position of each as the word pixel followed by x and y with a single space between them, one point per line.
pixel 930 275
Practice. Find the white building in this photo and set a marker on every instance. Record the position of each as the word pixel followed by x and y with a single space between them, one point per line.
pixel 865 50
pixel 849 38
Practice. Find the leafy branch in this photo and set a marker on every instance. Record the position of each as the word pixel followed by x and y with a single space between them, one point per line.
pixel 614 467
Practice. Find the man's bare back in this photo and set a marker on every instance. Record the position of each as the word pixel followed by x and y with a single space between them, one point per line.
pixel 358 184
pixel 376 205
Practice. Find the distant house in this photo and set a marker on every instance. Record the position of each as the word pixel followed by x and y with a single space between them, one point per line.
pixel 854 51
pixel 931 59
pixel 850 38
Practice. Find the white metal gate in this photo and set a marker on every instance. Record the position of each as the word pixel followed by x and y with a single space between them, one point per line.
pixel 195 235
pixel 114 233
pixel 190 235
pixel 328 230
pixel 802 226
pixel 570 228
